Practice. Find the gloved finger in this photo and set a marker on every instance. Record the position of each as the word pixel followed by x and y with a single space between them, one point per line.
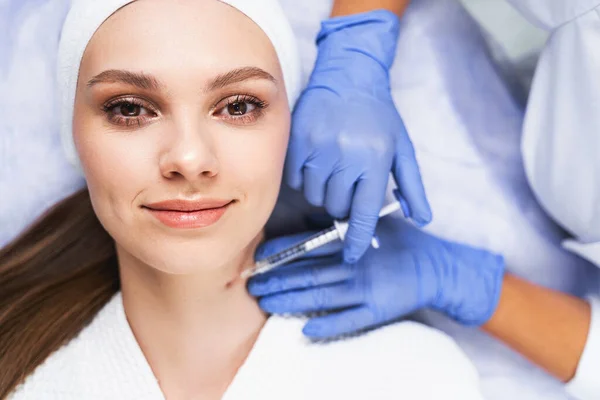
pixel 338 194
pixel 364 214
pixel 294 161
pixel 322 298
pixel 300 150
pixel 403 203
pixel 303 275
pixel 340 323
pixel 315 183
pixel 275 245
pixel 410 185
pixel 278 244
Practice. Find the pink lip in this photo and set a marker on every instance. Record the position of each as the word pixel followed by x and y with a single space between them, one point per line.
pixel 183 214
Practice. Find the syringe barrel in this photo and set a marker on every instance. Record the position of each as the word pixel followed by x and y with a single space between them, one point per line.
pixel 321 239
pixel 296 251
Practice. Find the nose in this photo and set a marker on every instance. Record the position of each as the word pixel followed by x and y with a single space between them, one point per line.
pixel 190 153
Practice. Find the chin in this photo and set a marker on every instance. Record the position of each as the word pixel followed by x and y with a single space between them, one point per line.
pixel 192 254
pixel 183 260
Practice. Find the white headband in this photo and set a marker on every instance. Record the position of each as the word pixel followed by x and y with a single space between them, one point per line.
pixel 86 16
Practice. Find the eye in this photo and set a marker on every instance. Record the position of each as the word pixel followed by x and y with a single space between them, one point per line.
pixel 240 109
pixel 129 111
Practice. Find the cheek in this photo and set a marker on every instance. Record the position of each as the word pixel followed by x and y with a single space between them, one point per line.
pixel 254 163
pixel 115 165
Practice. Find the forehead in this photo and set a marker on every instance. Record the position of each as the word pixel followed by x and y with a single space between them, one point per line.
pixel 179 37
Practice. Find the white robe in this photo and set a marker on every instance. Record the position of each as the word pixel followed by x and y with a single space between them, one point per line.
pixel 402 361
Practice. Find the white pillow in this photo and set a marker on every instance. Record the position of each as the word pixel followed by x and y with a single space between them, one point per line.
pixel 34 173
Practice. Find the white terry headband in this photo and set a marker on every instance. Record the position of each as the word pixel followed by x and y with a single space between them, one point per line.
pixel 86 16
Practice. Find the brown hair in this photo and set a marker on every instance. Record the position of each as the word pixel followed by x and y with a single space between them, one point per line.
pixel 54 279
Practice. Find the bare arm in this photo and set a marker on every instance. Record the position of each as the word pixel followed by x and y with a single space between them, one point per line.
pixel 550 328
pixel 347 7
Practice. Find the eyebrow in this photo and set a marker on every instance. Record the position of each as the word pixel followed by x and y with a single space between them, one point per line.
pixel 239 75
pixel 148 82
pixel 137 79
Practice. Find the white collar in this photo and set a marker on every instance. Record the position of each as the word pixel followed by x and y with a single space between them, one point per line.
pixel 397 361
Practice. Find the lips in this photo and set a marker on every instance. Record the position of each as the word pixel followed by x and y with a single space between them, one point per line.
pixel 185 214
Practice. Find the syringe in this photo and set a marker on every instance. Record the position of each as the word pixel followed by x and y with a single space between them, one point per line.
pixel 337 231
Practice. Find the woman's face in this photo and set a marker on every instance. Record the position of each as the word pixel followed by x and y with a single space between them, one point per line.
pixel 181 123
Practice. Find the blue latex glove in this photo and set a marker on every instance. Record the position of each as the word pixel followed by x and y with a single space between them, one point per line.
pixel 346 133
pixel 410 270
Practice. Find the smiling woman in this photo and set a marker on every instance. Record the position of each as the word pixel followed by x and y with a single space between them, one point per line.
pixel 131 288
pixel 185 134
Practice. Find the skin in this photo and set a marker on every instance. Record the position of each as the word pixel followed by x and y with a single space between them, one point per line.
pixel 548 327
pixel 348 7
pixel 531 319
pixel 188 309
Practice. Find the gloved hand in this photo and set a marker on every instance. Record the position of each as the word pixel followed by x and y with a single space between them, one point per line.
pixel 410 270
pixel 346 133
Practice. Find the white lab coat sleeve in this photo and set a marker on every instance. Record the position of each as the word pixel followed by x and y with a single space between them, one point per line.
pixel 561 132
pixel 550 14
pixel 586 383
pixel 561 145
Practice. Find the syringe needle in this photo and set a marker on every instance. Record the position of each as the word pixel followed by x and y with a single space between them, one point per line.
pixel 337 231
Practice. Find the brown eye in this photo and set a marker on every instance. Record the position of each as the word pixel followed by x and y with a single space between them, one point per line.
pixel 237 108
pixel 240 109
pixel 130 110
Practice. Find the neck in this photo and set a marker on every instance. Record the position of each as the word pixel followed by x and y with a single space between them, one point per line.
pixel 195 331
